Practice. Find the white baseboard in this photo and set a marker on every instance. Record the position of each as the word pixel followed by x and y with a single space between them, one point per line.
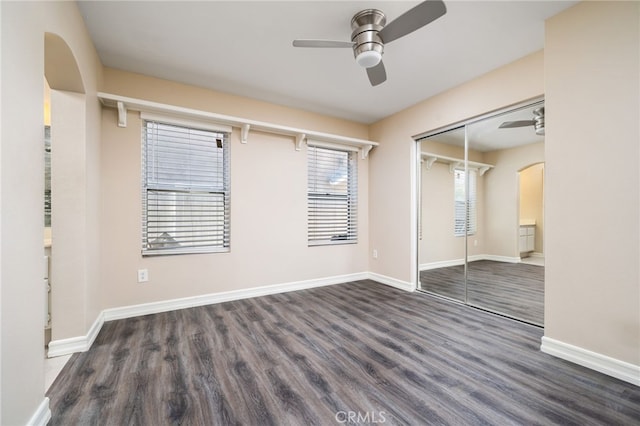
pixel 76 344
pixel 227 296
pixel 67 346
pixel 393 282
pixel 42 415
pixel 83 343
pixel 604 364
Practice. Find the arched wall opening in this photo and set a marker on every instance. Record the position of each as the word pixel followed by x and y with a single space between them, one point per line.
pixel 67 233
pixel 531 204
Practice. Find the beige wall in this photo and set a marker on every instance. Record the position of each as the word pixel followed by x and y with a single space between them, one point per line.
pixel 392 198
pixel 22 336
pixel 268 204
pixel 497 209
pixel 153 89
pixel 502 197
pixel 531 201
pixel 68 215
pixel 592 293
pixel 75 178
pixel 592 64
pixel 21 217
pixel 438 242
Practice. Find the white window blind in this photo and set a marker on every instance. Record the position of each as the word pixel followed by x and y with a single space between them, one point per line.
pixel 186 197
pixel 465 206
pixel 47 176
pixel 332 196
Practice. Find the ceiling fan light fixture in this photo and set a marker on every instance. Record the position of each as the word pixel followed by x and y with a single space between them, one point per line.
pixel 369 58
pixel 370 33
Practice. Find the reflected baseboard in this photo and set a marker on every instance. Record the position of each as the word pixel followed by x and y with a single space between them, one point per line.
pixel 534 259
pixel 473 258
pixel 495 258
pixel 441 264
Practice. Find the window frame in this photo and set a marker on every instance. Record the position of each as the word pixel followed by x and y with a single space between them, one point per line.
pixel 314 239
pixel 224 190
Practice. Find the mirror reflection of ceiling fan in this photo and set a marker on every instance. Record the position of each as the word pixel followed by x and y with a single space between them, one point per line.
pixel 537 122
pixel 370 34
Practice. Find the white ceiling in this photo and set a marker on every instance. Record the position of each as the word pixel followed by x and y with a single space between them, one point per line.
pixel 244 48
pixel 485 135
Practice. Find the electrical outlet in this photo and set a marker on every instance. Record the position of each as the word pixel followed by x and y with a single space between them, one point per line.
pixel 143 275
pixel 375 253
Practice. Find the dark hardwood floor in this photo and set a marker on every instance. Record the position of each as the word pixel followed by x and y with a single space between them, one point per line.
pixel 359 352
pixel 512 289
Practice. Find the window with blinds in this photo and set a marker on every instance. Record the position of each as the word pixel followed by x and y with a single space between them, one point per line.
pixel 465 203
pixel 332 196
pixel 186 197
pixel 47 176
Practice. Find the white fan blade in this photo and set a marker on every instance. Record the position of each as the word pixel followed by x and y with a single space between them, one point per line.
pixel 520 123
pixel 322 43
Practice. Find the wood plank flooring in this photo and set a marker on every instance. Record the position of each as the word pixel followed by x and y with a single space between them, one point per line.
pixel 355 353
pixel 512 289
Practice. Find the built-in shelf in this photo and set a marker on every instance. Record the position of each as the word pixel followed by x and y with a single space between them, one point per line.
pixel 123 104
pixel 429 158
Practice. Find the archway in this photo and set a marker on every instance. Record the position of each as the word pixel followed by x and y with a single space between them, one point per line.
pixel 66 233
pixel 531 212
pixel 60 66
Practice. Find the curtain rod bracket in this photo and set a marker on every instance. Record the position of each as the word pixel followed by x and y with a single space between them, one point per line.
pixel 244 132
pixel 364 151
pixel 300 137
pixel 122 114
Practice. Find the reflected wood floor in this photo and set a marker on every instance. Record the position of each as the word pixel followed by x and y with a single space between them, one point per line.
pixel 359 351
pixel 513 289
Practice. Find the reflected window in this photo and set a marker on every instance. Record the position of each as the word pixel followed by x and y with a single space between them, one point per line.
pixel 465 218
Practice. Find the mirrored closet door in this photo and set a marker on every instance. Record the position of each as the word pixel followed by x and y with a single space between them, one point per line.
pixel 481 223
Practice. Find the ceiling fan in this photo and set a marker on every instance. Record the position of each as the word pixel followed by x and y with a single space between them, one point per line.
pixel 370 35
pixel 537 122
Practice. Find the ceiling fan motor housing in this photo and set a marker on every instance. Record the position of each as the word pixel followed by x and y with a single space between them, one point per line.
pixel 368 44
pixel 538 118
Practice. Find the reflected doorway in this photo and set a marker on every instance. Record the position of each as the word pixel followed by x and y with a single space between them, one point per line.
pixel 531 235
